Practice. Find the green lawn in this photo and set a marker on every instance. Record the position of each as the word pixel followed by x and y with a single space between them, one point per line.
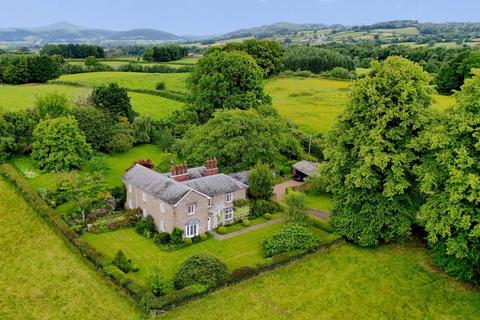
pixel 155 106
pixel 238 251
pixel 390 282
pixel 41 278
pixel 134 80
pixel 314 104
pixel 319 201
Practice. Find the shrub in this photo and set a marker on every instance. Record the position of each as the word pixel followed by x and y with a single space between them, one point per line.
pixel 188 241
pixel 321 224
pixel 162 238
pixel 260 182
pixel 117 275
pixel 243 272
pixel 260 207
pixel 160 86
pixel 122 262
pixel 239 203
pixel 222 230
pixel 268 216
pixel 203 236
pixel 242 213
pixel 150 302
pixel 157 283
pixel 297 211
pixel 146 227
pixel 290 237
pixel 200 269
pixel 246 223
pixel 177 236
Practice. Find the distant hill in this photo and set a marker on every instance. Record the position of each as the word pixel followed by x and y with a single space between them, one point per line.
pixel 277 28
pixel 64 32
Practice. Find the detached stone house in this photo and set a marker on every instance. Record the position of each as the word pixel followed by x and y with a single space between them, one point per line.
pixel 195 200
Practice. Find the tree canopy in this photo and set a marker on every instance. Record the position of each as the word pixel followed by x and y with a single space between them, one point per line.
pixel 316 59
pixel 260 182
pixel 450 180
pixel 239 139
pixel 371 153
pixel 114 100
pixel 20 69
pixel 225 80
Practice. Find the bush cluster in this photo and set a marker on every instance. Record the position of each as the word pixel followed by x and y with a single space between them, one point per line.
pixel 200 269
pixel 261 207
pixel 290 237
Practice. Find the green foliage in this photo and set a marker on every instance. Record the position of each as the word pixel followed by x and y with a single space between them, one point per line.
pixel 177 236
pixel 261 207
pixel 188 241
pixel 163 238
pixel 268 216
pixel 291 237
pixel 339 73
pixel 160 85
pixel 84 193
pixel 16 132
pixel 371 153
pixel 59 145
pixel 449 175
pixel 200 269
pixel 75 51
pixel 122 262
pixel 20 69
pixel 96 125
pixel 52 105
pixel 222 230
pixel 91 61
pixel 114 100
pixel 242 213
pixel 157 282
pixel 315 59
pixel 225 80
pixel 238 139
pixel 165 53
pixel 296 211
pixel 267 53
pixel 146 227
pixel 246 223
pixel 143 128
pixel 260 182
pixel 451 76
pixel 122 136
pixel 164 139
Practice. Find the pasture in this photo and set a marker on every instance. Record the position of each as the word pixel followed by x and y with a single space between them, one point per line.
pixel 347 282
pixel 42 278
pixel 133 80
pixel 314 104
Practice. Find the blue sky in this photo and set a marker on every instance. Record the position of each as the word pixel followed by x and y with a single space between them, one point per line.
pixel 203 17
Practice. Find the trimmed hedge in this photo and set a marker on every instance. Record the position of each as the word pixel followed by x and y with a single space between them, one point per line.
pixel 321 224
pixel 288 238
pixel 201 269
pixel 176 298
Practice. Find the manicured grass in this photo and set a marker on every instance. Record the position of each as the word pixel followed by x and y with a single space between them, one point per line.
pixel 238 251
pixel 134 80
pixel 41 278
pixel 390 282
pixel 314 104
pixel 258 220
pixel 21 97
pixel 319 201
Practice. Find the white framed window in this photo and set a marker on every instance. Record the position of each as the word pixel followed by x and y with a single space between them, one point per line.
pixel 162 225
pixel 144 196
pixel 229 197
pixel 145 212
pixel 191 209
pixel 130 188
pixel 191 230
pixel 162 206
pixel 209 202
pixel 228 214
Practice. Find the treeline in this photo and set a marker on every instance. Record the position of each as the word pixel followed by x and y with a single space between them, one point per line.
pixel 165 53
pixel 316 59
pixel 20 69
pixel 138 67
pixel 73 51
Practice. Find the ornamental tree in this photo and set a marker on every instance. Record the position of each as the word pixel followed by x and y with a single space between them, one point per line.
pixel 450 181
pixel 225 80
pixel 371 155
pixel 260 182
pixel 297 210
pixel 58 144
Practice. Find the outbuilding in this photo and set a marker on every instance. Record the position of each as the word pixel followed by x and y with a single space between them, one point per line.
pixel 304 169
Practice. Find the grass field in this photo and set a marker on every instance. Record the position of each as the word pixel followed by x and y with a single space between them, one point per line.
pixel 314 104
pixel 41 278
pixel 390 282
pixel 155 106
pixel 238 251
pixel 319 201
pixel 134 80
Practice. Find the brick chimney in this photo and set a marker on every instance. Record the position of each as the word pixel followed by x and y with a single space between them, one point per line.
pixel 211 167
pixel 179 172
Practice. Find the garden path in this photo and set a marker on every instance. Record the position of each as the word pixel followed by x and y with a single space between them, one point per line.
pixel 320 214
pixel 221 237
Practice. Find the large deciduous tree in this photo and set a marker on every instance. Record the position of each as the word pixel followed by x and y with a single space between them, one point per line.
pixel 260 182
pixel 59 145
pixel 225 80
pixel 239 139
pixel 450 180
pixel 371 153
pixel 113 99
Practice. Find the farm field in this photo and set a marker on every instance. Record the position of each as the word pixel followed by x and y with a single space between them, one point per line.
pixel 347 282
pixel 134 80
pixel 238 251
pixel 314 104
pixel 42 278
pixel 154 106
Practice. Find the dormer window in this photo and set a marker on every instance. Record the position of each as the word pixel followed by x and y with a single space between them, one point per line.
pixel 229 197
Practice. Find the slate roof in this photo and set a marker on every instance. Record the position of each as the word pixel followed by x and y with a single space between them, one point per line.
pixel 194 173
pixel 156 184
pixel 241 176
pixel 307 167
pixel 216 184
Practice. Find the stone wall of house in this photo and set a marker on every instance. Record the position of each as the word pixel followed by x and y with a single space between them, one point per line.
pixel 219 202
pixel 201 211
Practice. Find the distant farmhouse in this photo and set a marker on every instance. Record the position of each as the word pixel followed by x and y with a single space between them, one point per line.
pixel 195 200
